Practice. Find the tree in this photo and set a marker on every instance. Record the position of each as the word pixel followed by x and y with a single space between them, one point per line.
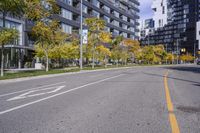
pixel 49 37
pixel 187 58
pixel 153 54
pixel 116 55
pixel 14 8
pixel 170 57
pixel 132 47
pixel 47 32
pixel 160 52
pixel 8 35
pixel 148 54
pixel 116 52
pixel 102 54
pixel 117 41
pixel 96 36
pixel 40 10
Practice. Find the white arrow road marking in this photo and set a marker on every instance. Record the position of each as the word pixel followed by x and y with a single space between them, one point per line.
pixel 28 94
pixel 16 92
pixel 57 94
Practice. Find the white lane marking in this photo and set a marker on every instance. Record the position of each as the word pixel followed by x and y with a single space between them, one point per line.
pixel 58 94
pixel 97 75
pixel 28 94
pixel 7 94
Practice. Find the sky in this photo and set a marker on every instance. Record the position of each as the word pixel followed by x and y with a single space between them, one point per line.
pixel 145 9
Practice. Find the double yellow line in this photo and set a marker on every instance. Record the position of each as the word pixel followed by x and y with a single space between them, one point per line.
pixel 172 117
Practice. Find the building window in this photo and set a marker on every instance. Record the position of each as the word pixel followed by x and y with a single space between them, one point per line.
pixel 69 2
pixel 66 14
pixel 66 28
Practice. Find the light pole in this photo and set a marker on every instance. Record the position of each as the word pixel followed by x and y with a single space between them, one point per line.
pixel 81 41
pixel 167 53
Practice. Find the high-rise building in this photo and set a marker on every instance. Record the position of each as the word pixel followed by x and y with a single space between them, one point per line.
pixel 146 28
pixel 178 30
pixel 160 9
pixel 121 15
pixel 121 18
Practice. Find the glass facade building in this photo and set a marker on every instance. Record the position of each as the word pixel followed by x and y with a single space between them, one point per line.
pixel 179 31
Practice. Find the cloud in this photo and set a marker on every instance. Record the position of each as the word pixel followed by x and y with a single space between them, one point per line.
pixel 145 9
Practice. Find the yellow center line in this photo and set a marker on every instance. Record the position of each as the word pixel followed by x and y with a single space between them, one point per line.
pixel 170 107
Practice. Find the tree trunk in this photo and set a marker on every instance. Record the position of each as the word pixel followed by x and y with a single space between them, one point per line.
pixel 125 62
pixel 47 64
pixel 93 57
pixel 105 62
pixel 2 47
pixel 19 59
pixel 117 63
pixel 2 60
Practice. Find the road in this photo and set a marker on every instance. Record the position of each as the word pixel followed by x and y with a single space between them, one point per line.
pixel 133 100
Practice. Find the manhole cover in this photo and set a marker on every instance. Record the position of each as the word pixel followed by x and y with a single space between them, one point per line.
pixel 189 109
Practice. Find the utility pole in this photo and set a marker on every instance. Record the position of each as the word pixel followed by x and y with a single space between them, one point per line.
pixel 81 41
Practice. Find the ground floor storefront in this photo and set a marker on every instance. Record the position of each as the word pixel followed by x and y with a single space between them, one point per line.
pixel 18 58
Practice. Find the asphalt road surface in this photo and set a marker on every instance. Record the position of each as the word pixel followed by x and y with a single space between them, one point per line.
pixel 133 100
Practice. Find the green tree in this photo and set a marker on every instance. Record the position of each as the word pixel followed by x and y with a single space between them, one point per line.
pixel 14 8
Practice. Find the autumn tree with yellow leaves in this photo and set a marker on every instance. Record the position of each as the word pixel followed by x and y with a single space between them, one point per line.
pixel 48 33
pixel 102 54
pixel 15 8
pixel 97 36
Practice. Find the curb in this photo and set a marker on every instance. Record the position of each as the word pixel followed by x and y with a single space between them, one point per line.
pixel 56 75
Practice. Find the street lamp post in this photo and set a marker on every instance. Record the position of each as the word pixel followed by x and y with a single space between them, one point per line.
pixel 81 41
pixel 148 45
pixel 167 52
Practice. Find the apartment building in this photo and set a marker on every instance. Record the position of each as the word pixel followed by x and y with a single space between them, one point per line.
pixel 178 30
pixel 121 18
pixel 146 28
pixel 160 9
pixel 17 50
